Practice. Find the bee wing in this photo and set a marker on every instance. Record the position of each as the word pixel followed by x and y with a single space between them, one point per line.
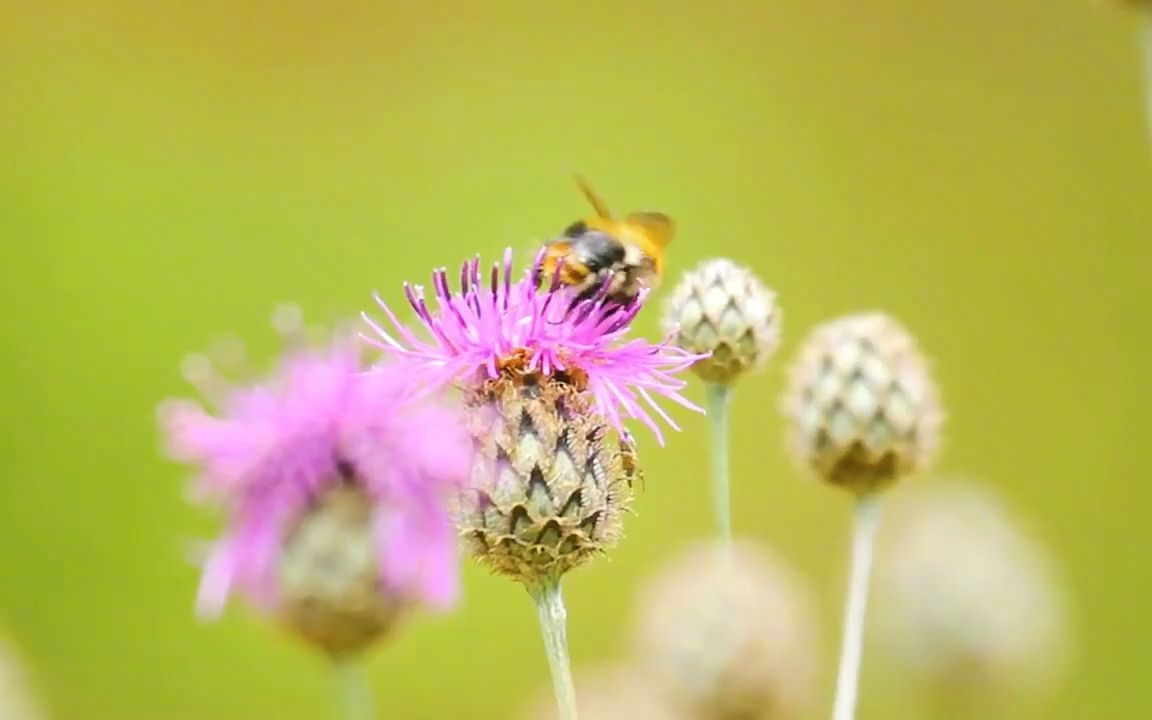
pixel 596 201
pixel 657 226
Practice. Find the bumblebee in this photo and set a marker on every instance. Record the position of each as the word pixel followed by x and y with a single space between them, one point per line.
pixel 626 254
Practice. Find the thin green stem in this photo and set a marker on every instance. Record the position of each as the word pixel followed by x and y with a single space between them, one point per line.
pixel 553 624
pixel 866 518
pixel 355 694
pixel 1146 52
pixel 719 395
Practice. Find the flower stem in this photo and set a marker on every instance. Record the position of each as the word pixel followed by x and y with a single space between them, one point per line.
pixel 355 694
pixel 553 625
pixel 1146 51
pixel 719 395
pixel 866 518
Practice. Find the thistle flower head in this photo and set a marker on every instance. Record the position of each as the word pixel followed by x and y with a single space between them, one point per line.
pixel 726 632
pixel 723 312
pixel 551 483
pixel 335 487
pixel 970 603
pixel 862 406
pixel 549 377
pixel 490 329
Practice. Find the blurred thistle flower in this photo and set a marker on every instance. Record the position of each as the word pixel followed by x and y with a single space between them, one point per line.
pixel 727 633
pixel 549 377
pixel 723 312
pixel 971 604
pixel 612 693
pixel 335 488
pixel 17 694
pixel 863 409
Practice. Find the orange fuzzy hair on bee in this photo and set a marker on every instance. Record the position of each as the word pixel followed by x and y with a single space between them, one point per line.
pixel 650 231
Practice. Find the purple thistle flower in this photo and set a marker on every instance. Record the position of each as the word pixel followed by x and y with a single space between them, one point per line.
pixel 272 449
pixel 483 329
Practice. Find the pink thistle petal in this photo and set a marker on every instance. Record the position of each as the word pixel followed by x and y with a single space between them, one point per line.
pixel 319 422
pixel 216 582
pixel 440 587
pixel 476 328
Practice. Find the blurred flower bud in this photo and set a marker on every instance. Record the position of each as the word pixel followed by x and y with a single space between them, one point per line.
pixel 329 576
pixel 862 406
pixel 551 483
pixel 726 633
pixel 610 694
pixel 723 309
pixel 967 601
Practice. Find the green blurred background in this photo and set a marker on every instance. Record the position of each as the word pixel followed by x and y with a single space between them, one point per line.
pixel 171 171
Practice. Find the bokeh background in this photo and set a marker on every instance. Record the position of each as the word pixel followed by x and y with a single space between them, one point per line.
pixel 170 171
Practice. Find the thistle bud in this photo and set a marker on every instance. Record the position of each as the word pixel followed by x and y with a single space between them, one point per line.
pixel 726 632
pixel 969 604
pixel 552 479
pixel 862 406
pixel 723 309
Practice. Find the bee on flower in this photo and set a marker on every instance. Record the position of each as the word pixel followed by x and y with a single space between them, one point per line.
pixel 550 378
pixel 549 375
pixel 624 254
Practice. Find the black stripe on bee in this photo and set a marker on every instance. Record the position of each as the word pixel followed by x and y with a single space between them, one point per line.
pixel 576 229
pixel 598 250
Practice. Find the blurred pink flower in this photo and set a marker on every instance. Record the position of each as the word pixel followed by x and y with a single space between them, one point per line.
pixel 482 329
pixel 319 423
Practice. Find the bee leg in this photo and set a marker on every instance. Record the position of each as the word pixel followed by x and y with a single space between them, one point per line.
pixel 587 293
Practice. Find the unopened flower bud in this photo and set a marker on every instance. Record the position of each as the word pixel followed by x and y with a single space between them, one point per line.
pixel 723 309
pixel 862 406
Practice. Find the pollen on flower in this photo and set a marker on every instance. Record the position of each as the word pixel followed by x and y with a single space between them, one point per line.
pixel 517 368
pixel 335 483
